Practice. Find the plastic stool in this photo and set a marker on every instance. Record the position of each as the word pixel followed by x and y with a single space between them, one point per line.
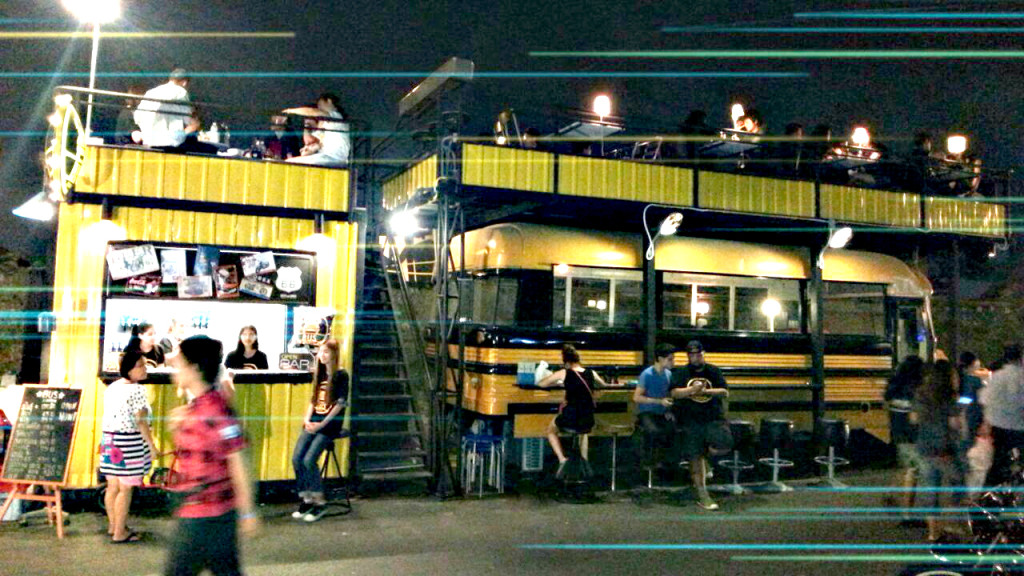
pixel 742 439
pixel 483 458
pixel 834 433
pixel 343 501
pixel 776 433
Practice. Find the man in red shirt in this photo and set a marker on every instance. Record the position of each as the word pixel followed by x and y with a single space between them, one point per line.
pixel 208 440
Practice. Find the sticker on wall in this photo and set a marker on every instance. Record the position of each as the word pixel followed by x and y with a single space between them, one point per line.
pixel 289 279
pixel 133 261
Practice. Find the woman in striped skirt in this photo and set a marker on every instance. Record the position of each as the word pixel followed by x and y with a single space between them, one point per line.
pixel 127 447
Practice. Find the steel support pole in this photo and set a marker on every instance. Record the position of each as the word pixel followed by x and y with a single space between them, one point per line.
pixel 650 302
pixel 954 304
pixel 92 76
pixel 816 328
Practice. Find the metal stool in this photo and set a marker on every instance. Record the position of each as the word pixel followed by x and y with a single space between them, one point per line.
pixel 834 433
pixel 339 496
pixel 776 433
pixel 617 430
pixel 742 439
pixel 483 458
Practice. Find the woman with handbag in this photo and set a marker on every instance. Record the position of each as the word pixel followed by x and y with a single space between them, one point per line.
pixel 576 414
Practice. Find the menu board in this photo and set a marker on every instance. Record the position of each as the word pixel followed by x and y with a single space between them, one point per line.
pixel 41 444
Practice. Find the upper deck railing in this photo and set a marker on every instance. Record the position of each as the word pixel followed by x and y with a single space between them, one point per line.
pixel 495 170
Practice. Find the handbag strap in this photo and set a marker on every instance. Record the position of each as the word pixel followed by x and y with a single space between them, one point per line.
pixel 585 385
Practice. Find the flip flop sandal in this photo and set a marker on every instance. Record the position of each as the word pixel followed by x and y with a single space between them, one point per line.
pixel 132 538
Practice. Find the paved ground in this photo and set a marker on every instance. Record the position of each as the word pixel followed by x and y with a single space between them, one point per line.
pixel 804 532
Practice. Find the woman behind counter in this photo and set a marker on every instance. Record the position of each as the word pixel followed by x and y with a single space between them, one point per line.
pixel 320 426
pixel 144 340
pixel 247 355
pixel 127 449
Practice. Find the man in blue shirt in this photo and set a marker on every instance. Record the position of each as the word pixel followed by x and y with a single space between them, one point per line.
pixel 652 401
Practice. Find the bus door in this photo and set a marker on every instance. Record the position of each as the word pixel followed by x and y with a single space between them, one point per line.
pixel 911 330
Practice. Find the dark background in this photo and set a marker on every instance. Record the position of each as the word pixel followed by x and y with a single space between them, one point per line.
pixel 895 97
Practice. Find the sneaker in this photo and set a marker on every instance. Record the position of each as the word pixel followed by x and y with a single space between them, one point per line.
pixel 302 511
pixel 315 513
pixel 705 502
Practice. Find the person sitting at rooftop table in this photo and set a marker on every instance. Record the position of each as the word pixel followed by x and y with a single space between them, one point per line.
pixel 283 143
pixel 333 143
pixel 167 121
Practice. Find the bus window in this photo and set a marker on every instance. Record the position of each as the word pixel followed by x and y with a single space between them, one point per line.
pixel 854 308
pixel 597 297
pixel 492 300
pixel 730 303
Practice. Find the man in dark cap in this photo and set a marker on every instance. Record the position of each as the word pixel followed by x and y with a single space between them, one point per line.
pixel 700 417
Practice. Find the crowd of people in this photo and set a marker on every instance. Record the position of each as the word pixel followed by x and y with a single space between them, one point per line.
pixel 954 426
pixel 164 118
pixel 797 151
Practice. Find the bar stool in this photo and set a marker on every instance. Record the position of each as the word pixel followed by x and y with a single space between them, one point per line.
pixel 339 495
pixel 776 434
pixel 483 458
pixel 577 469
pixel 835 434
pixel 742 439
pixel 616 430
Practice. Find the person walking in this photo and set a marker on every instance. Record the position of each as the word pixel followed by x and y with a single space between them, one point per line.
pixel 938 439
pixel 1004 412
pixel 899 395
pixel 218 501
pixel 321 425
pixel 126 449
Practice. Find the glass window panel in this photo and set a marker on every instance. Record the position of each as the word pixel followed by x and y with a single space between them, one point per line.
pixel 558 302
pixel 629 304
pixel 712 307
pixel 742 297
pixel 675 303
pixel 854 308
pixel 494 300
pixel 590 298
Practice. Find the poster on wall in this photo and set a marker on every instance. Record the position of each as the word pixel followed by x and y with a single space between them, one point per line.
pixel 195 287
pixel 172 266
pixel 257 287
pixel 227 281
pixel 207 258
pixel 134 261
pixel 258 264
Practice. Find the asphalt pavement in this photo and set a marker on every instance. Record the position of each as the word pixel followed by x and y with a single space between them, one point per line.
pixel 808 531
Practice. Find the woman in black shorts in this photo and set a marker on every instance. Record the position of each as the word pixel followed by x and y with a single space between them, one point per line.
pixel 576 414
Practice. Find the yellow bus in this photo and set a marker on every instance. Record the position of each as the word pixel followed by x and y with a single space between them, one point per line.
pixel 532 287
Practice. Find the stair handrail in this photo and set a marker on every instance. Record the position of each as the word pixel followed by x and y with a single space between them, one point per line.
pixel 409 310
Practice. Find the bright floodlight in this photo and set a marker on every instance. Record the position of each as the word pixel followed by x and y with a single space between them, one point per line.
pixel 38 207
pixel 404 223
pixel 602 105
pixel 670 224
pixel 840 237
pixel 94 11
pixel 861 137
pixel 956 144
pixel 771 307
pixel 737 113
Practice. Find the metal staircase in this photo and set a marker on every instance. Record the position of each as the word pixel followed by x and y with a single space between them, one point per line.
pixel 389 430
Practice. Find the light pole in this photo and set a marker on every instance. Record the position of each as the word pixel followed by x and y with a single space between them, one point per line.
pixel 668 226
pixel 94 12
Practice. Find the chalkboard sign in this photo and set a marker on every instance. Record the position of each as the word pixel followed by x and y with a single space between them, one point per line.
pixel 43 434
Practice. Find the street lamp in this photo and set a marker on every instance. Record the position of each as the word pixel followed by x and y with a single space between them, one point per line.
pixel 956 144
pixel 38 207
pixel 668 227
pixel 838 238
pixel 93 12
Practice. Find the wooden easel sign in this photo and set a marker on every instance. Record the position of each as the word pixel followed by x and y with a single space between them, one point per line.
pixel 40 448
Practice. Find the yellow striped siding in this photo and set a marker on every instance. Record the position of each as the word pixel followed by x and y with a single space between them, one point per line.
pixel 269 411
pixel 756 194
pixel 508 168
pixel 900 209
pixel 624 180
pixel 400 188
pixel 553 357
pixel 605 425
pixel 150 174
pixel 854 389
pixel 858 362
pixel 965 216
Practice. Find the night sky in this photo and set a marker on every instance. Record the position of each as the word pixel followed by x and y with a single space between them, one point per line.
pixel 895 97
